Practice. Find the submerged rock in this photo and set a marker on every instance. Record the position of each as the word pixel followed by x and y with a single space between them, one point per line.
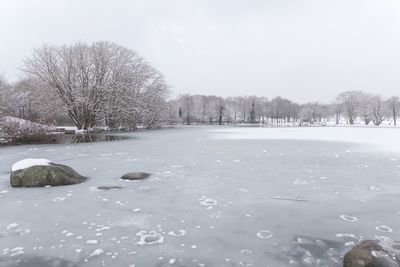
pixel 35 261
pixel 311 251
pixel 371 253
pixel 110 187
pixel 135 176
pixel 46 173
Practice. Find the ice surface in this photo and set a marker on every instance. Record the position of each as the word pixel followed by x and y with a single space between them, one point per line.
pixel 215 198
pixel 27 163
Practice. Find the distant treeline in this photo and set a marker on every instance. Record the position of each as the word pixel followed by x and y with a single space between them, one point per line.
pixel 349 106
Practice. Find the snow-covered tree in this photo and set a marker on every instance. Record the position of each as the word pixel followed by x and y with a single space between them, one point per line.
pixel 377 110
pixel 7 98
pixel 312 112
pixel 350 101
pixel 95 81
pixel 364 110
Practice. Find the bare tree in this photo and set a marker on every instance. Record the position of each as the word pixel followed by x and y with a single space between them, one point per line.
pixel 364 110
pixel 253 112
pixel 311 113
pixel 350 101
pixel 393 105
pixel 6 96
pixel 220 111
pixel 336 109
pixel 377 110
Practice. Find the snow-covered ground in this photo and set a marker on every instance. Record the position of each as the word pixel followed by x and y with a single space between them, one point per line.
pixel 217 197
pixel 381 137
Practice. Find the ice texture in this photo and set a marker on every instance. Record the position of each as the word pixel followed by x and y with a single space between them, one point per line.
pixel 216 197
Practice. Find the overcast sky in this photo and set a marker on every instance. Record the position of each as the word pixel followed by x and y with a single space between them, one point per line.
pixel 305 50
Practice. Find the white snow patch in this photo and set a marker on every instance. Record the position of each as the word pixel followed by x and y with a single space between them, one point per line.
pixel 388 137
pixel 27 163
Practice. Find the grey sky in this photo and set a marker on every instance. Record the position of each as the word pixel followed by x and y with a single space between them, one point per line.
pixel 305 50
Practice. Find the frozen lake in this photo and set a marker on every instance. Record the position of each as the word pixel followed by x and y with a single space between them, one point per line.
pixel 217 197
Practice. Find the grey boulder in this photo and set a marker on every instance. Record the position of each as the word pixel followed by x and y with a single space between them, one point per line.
pixel 46 175
pixel 371 253
pixel 135 176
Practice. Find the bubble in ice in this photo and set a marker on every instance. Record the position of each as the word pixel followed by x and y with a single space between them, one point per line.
pixel 140 222
pixel 176 166
pixel 59 199
pixel 91 242
pixel 374 188
pixel 382 238
pixel 23 231
pixel 384 228
pixel 17 249
pixel 17 253
pixel 346 236
pixel 264 234
pixel 348 218
pixel 97 252
pixel 205 201
pixel 149 238
pixel 242 189
pixel 177 233
pixel 299 181
pixel 11 226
